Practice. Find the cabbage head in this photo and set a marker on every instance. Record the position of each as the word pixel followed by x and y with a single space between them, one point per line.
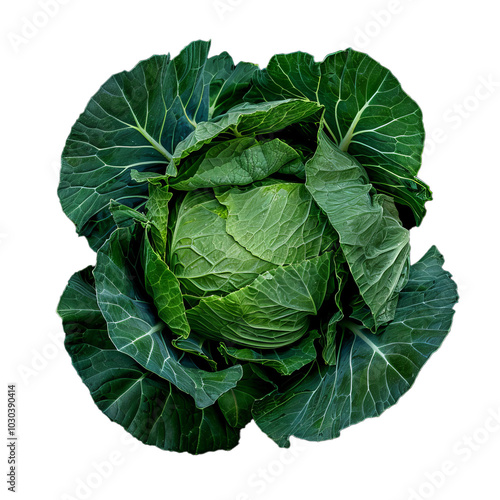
pixel 251 228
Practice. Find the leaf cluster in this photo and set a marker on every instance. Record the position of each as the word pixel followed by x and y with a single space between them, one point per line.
pixel 253 254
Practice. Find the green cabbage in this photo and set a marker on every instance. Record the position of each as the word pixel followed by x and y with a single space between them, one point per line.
pixel 252 237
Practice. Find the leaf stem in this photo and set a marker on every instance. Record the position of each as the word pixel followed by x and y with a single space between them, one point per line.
pixel 154 143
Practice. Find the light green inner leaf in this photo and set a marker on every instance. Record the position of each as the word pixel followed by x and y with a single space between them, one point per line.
pixel 204 257
pixel 273 311
pixel 279 222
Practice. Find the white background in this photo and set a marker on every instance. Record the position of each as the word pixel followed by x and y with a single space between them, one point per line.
pixel 442 53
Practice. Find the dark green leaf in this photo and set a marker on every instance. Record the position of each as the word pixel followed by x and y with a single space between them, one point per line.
pixel 228 83
pixel 136 330
pixel 367 113
pixel 134 122
pixel 373 371
pixel 236 404
pixel 78 304
pixel 148 407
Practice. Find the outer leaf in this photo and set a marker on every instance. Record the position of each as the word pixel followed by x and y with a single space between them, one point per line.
pixel 205 258
pixel 373 241
pixel 248 120
pixel 78 304
pixel 269 313
pixel 373 371
pixel 136 330
pixel 236 162
pixel 228 83
pixel 279 223
pixel 287 76
pixel 134 121
pixel 367 114
pixel 236 404
pixel 285 361
pixel 148 407
pixel 361 312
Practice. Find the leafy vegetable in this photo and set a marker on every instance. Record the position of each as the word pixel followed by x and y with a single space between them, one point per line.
pixel 253 256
